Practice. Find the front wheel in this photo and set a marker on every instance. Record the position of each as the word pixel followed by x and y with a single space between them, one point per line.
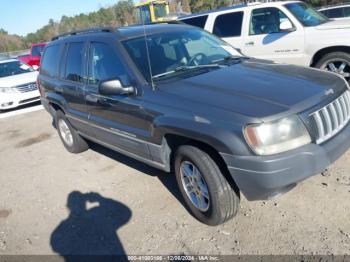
pixel 205 190
pixel 337 62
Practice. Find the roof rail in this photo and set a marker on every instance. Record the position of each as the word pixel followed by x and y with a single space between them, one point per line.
pixel 85 31
pixel 335 5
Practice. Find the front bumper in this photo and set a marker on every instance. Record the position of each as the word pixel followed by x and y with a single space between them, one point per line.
pixel 13 100
pixel 264 177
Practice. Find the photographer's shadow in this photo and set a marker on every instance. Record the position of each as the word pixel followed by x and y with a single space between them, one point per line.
pixel 91 228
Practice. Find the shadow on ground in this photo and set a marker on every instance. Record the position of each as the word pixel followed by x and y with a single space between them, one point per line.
pixel 168 180
pixel 90 231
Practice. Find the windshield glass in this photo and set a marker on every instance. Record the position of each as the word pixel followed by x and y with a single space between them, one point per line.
pixel 143 15
pixel 159 10
pixel 37 50
pixel 169 51
pixel 306 14
pixel 14 68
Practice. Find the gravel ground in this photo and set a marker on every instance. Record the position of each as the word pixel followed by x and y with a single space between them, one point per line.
pixel 54 202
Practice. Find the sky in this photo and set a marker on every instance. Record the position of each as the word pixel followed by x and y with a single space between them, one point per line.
pixel 26 16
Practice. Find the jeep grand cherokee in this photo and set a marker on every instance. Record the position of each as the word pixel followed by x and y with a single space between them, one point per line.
pixel 182 100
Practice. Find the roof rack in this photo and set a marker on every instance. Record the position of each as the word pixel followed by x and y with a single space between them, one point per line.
pixel 85 31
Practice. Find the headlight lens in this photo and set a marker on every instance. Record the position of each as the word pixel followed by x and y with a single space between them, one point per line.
pixel 6 90
pixel 277 136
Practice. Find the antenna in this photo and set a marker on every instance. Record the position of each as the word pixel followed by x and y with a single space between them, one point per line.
pixel 148 53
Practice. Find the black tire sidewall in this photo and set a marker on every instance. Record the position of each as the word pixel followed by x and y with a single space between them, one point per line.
pixel 201 215
pixel 210 173
pixel 74 148
pixel 334 55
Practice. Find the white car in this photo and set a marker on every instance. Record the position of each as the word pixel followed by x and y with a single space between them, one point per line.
pixel 285 32
pixel 17 84
pixel 341 11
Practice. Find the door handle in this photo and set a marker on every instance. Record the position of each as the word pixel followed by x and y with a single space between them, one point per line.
pixel 59 89
pixel 91 98
pixel 104 101
pixel 251 43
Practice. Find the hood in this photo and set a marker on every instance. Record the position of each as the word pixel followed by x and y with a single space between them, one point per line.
pixel 17 80
pixel 258 89
pixel 334 24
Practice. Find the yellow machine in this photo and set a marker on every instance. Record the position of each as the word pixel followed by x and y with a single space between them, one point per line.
pixel 151 11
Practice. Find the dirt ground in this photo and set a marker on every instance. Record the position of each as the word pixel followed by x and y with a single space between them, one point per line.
pixel 98 202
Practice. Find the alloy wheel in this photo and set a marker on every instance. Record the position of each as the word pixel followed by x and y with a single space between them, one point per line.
pixel 195 186
pixel 339 66
pixel 65 132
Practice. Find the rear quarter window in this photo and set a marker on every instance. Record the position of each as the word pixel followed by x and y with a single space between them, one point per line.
pixel 198 21
pixel 50 60
pixel 228 25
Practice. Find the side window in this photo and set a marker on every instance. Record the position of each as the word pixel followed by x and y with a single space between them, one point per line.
pixel 266 21
pixel 198 21
pixel 346 11
pixel 50 61
pixel 104 64
pixel 228 25
pixel 325 12
pixel 74 62
pixel 336 12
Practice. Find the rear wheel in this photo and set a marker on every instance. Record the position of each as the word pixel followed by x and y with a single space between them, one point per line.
pixel 206 192
pixel 337 62
pixel 70 138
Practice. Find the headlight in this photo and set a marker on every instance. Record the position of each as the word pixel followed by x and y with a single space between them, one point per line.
pixel 6 90
pixel 277 136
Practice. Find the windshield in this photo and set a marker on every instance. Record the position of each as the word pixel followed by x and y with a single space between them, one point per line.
pixel 143 15
pixel 306 14
pixel 181 49
pixel 159 10
pixel 14 68
pixel 37 50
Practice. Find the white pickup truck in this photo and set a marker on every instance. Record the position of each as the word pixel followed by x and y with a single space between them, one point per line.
pixel 285 32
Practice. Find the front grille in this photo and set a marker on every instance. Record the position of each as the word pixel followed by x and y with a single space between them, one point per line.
pixel 332 118
pixel 27 87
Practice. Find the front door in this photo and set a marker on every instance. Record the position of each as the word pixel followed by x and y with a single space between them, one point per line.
pixel 266 38
pixel 117 120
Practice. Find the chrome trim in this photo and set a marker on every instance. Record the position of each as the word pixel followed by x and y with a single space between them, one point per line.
pixel 113 131
pixel 332 118
pixel 27 87
pixel 127 153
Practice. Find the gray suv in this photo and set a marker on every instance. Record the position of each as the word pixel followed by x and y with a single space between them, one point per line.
pixel 181 100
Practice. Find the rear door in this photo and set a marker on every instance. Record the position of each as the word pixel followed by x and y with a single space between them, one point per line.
pixel 228 26
pixel 72 82
pixel 117 120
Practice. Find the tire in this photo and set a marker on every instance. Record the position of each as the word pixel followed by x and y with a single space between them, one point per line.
pixel 337 58
pixel 76 144
pixel 222 203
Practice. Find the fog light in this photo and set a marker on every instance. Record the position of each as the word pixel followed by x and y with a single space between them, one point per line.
pixel 6 104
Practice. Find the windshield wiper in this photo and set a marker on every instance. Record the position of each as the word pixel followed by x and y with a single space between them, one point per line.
pixel 187 68
pixel 230 58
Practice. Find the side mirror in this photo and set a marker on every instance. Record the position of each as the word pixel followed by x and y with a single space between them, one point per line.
pixel 286 26
pixel 114 87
